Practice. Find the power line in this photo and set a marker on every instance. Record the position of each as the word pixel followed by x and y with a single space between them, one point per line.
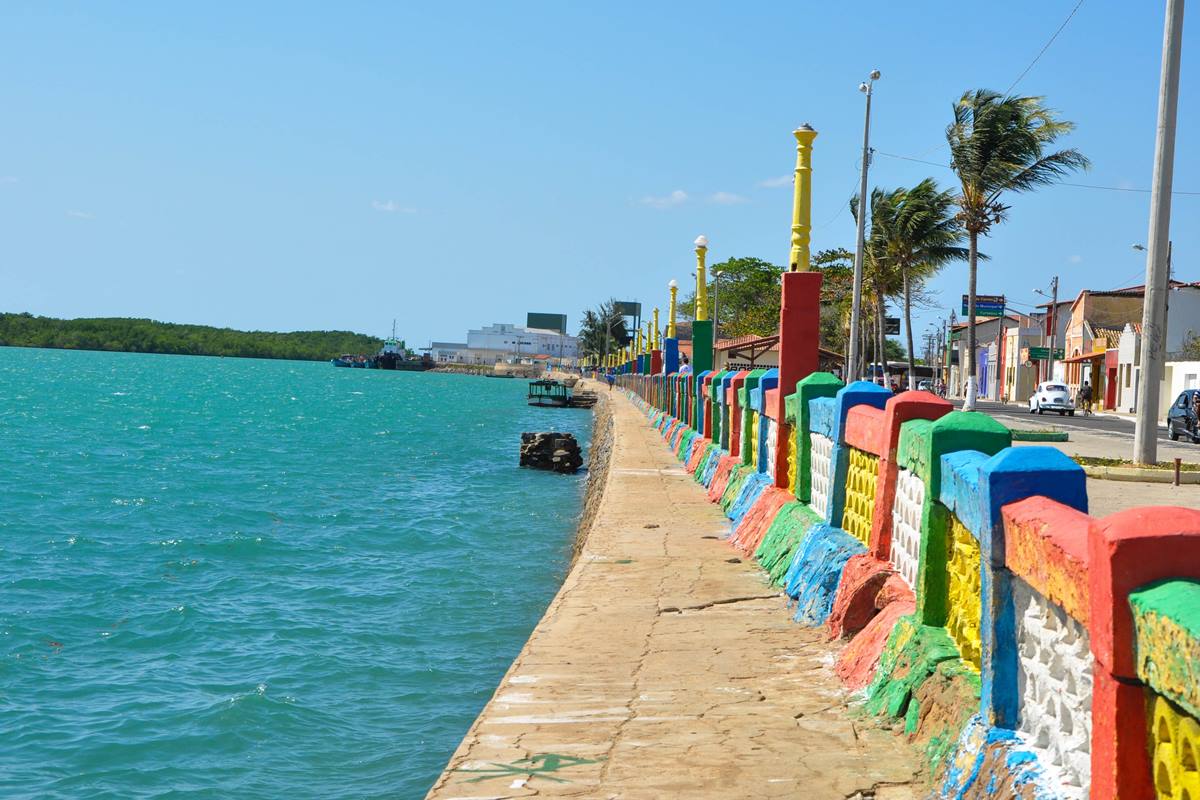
pixel 1045 48
pixel 1059 183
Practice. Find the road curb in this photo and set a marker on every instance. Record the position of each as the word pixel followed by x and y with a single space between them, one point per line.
pixel 1019 435
pixel 1140 474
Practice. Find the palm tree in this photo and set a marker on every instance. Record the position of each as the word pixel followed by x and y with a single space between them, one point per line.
pixel 998 144
pixel 881 279
pixel 916 232
pixel 602 330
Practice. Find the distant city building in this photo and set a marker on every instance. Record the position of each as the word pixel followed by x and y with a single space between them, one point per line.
pixel 511 341
pixel 449 353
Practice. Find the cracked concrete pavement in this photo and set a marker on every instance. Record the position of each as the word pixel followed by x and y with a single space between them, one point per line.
pixel 664 668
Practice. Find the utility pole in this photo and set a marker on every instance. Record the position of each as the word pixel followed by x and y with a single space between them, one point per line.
pixel 1053 328
pixel 852 358
pixel 1154 310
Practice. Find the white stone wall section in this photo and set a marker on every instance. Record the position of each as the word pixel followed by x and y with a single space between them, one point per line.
pixel 906 525
pixel 820 466
pixel 1054 677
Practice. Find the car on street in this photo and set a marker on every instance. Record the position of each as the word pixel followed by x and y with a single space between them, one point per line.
pixel 1051 396
pixel 925 386
pixel 1182 419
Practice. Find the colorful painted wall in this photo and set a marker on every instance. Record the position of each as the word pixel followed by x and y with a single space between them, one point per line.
pixel 1028 648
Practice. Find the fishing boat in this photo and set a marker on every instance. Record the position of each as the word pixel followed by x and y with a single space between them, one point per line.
pixel 556 394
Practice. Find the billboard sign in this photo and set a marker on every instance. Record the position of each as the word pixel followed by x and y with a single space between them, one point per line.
pixel 986 305
pixel 628 308
pixel 891 326
pixel 549 322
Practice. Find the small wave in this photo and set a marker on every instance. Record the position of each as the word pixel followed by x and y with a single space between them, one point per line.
pixel 129 501
pixel 143 427
pixel 120 394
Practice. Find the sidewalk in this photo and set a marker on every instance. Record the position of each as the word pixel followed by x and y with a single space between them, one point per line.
pixel 668 668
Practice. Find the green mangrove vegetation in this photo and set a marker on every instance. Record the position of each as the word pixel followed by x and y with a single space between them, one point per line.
pixel 123 334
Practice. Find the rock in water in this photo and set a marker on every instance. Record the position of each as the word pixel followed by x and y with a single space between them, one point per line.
pixel 549 450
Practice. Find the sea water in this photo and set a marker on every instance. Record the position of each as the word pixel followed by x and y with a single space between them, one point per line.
pixel 236 578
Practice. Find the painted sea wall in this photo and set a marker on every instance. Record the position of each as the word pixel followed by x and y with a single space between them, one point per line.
pixel 1030 649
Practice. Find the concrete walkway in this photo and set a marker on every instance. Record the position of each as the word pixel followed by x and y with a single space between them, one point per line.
pixel 668 668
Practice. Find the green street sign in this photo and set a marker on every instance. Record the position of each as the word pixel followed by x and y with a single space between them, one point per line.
pixel 1043 353
pixel 986 305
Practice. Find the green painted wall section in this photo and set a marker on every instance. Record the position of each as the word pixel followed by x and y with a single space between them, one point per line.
pixel 922 680
pixel 818 384
pixel 747 445
pixel 786 533
pixel 1166 618
pixel 702 344
pixel 922 443
pixel 734 487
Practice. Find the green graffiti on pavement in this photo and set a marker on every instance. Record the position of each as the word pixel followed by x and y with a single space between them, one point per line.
pixel 539 765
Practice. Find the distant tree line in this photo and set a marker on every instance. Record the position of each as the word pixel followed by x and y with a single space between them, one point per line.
pixel 128 335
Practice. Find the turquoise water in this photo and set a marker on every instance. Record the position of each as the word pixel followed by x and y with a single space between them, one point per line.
pixel 235 578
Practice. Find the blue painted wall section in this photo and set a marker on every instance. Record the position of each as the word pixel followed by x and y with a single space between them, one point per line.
pixel 670 355
pixel 816 569
pixel 857 393
pixel 975 487
pixel 751 489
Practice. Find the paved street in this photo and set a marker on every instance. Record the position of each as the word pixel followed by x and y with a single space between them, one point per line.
pixel 1106 437
pixel 1102 436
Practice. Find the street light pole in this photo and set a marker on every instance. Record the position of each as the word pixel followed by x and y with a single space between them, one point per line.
pixel 852 357
pixel 1154 309
pixel 716 312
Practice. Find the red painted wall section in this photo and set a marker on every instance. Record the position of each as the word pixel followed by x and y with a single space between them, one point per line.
pixel 1128 550
pixel 906 406
pixel 864 429
pixel 735 412
pixel 1046 543
pixel 899 410
pixel 1121 765
pixel 771 405
pixel 656 365
pixel 799 332
pixel 707 410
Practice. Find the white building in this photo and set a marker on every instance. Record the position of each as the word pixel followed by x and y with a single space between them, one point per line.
pixel 513 340
pixel 449 353
pixel 1183 323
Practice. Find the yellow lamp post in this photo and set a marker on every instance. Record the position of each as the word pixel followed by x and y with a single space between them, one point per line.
pixel 702 333
pixel 674 286
pixel 657 344
pixel 802 199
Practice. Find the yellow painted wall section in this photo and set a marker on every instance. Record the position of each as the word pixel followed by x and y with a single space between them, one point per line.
pixel 1176 743
pixel 860 494
pixel 963 601
pixel 754 439
pixel 791 451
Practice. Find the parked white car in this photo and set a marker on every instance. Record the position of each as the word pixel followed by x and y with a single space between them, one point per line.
pixel 1051 396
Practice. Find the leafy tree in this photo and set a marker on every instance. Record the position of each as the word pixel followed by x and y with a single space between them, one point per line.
pixel 837 285
pixel 915 232
pixel 998 144
pixel 749 297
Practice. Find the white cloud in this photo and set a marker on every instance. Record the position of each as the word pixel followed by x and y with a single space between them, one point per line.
pixel 775 183
pixel 1075 259
pixel 726 198
pixel 79 214
pixel 392 207
pixel 675 198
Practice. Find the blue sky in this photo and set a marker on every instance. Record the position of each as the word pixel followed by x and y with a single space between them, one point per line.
pixel 305 165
